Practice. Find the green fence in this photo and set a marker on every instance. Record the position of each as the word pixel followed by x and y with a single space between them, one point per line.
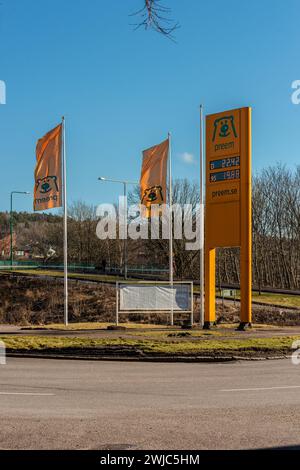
pixel 140 269
pixel 18 263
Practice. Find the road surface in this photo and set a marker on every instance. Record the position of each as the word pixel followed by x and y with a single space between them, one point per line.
pixel 66 404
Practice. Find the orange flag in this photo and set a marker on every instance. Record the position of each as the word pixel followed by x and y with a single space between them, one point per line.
pixel 153 182
pixel 47 175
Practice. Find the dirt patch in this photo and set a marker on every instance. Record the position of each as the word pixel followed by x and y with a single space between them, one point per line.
pixel 38 301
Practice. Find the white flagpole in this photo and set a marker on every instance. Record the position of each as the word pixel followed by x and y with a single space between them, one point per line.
pixel 66 319
pixel 170 229
pixel 202 274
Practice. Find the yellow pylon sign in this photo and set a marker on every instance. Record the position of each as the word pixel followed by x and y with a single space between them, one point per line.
pixel 228 201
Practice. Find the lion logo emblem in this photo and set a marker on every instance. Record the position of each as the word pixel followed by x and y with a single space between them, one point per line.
pixel 224 127
pixel 153 195
pixel 47 184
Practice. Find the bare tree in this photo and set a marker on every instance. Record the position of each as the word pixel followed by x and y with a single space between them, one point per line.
pixel 186 262
pixel 154 15
pixel 276 235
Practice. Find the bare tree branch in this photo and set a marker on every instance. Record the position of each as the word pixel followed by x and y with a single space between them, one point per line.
pixel 154 15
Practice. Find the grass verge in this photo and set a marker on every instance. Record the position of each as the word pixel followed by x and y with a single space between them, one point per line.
pixel 149 347
pixel 282 300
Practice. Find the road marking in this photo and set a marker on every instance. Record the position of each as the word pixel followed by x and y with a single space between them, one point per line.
pixel 29 394
pixel 259 388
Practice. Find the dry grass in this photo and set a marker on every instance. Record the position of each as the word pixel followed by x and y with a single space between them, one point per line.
pixel 161 347
pixel 277 299
pixel 283 300
pixel 39 301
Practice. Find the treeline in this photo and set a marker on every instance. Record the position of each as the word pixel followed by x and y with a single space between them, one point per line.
pixel 276 235
pixel 276 232
pixel 24 218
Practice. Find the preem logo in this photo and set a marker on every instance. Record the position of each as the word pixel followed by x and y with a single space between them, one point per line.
pixel 296 94
pixel 47 184
pixel 153 194
pixel 224 127
pixel 2 92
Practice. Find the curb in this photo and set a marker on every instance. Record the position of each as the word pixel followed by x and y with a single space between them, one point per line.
pixel 158 359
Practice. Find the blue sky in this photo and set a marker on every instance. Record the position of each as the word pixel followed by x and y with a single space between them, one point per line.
pixel 122 91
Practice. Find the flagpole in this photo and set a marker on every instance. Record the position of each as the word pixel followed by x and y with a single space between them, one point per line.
pixel 170 229
pixel 201 320
pixel 65 222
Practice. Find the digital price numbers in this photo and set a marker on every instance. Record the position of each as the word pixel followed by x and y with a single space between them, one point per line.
pixel 224 163
pixel 224 176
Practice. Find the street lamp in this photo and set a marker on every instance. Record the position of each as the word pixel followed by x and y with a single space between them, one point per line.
pixel 11 222
pixel 125 183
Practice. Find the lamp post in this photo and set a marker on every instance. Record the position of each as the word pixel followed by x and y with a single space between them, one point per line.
pixel 125 184
pixel 11 222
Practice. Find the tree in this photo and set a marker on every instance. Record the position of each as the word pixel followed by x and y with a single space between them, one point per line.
pixel 154 15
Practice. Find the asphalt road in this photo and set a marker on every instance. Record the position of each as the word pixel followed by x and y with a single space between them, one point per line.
pixel 52 404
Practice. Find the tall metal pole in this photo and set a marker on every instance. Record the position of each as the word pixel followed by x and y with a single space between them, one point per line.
pixel 171 280
pixel 201 219
pixel 11 229
pixel 65 222
pixel 125 230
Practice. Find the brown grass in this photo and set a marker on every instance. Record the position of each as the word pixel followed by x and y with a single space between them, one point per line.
pixel 36 301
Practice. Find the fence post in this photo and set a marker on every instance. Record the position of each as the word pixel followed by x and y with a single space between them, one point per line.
pixel 192 304
pixel 117 303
